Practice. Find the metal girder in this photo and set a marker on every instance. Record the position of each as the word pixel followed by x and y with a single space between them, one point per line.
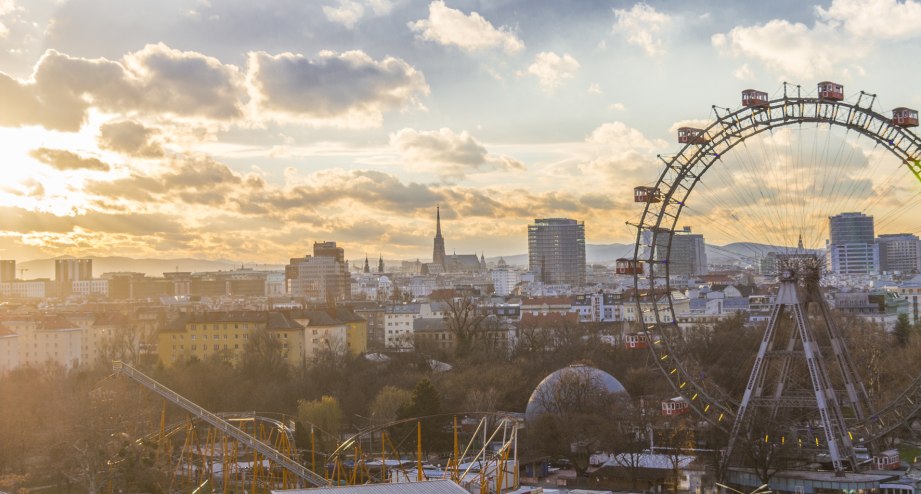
pixel 265 450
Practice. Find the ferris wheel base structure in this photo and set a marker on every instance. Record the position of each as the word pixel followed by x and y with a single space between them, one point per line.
pixel 663 204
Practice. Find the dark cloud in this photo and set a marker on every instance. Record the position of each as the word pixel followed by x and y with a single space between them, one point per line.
pixel 66 160
pixel 155 80
pixel 454 154
pixel 129 137
pixel 350 87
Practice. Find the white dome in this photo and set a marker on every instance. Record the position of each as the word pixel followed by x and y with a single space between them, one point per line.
pixel 583 373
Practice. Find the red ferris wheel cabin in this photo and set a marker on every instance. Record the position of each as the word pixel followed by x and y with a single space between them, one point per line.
pixel 628 266
pixel 754 98
pixel 646 194
pixel 831 91
pixel 636 341
pixel 690 135
pixel 905 117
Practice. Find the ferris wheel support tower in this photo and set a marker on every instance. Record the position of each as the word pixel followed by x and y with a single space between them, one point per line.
pixel 772 383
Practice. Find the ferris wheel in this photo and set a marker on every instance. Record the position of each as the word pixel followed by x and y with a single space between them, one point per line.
pixel 772 173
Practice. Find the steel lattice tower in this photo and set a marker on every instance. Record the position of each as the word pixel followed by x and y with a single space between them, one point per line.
pixel 790 386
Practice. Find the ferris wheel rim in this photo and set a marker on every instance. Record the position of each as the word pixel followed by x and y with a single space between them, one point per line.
pixel 732 128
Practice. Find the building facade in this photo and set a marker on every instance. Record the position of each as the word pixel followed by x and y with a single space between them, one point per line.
pixel 852 248
pixel 7 270
pixel 556 250
pixel 70 270
pixel 688 254
pixel 323 277
pixel 899 252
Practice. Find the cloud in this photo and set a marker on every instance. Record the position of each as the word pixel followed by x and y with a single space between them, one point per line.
pixel 844 32
pixel 875 19
pixel 350 12
pixel 156 80
pixel 471 33
pixel 347 13
pixel 641 26
pixel 789 49
pixel 347 89
pixel 129 137
pixel 6 6
pixel 594 88
pixel 552 70
pixel 61 159
pixel 456 155
pixel 14 219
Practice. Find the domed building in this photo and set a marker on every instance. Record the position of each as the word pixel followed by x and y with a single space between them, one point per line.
pixel 572 388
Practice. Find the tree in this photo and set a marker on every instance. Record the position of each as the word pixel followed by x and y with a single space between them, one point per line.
pixel 262 359
pixel 326 415
pixel 388 402
pixel 902 331
pixel 464 320
pixel 426 402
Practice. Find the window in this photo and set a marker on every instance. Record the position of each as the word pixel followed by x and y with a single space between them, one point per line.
pixel 194 347
pixel 217 347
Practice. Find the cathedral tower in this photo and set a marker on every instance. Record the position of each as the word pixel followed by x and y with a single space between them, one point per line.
pixel 438 253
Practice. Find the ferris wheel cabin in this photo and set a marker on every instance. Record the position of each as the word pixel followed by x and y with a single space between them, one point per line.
pixel 646 194
pixel 636 341
pixel 905 117
pixel 675 406
pixel 831 91
pixel 754 98
pixel 628 266
pixel 690 135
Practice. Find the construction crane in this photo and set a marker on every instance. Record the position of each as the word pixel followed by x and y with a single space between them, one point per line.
pixel 298 470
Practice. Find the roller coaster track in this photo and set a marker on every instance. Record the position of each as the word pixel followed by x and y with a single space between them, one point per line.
pixel 273 455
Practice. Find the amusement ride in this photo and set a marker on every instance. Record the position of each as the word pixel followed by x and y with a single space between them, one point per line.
pixel 834 153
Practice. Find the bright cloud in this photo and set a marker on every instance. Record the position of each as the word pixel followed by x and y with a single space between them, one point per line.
pixel 875 19
pixel 788 49
pixel 451 27
pixel 641 26
pixel 552 70
pixel 350 12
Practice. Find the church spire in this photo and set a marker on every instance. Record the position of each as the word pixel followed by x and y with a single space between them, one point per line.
pixel 367 267
pixel 438 249
pixel 438 221
pixel 380 264
pixel 799 245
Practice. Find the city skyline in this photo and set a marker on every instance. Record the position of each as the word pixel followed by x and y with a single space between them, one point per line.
pixel 249 132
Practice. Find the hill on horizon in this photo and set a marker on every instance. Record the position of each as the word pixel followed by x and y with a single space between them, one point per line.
pixel 44 268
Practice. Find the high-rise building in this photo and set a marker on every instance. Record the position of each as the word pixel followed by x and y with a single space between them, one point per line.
pixel 438 252
pixel 899 252
pixel 852 246
pixel 7 270
pixel 688 254
pixel 68 270
pixel 324 277
pixel 556 250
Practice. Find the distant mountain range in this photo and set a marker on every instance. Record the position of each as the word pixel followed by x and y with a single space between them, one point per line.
pixel 594 254
pixel 44 268
pixel 716 254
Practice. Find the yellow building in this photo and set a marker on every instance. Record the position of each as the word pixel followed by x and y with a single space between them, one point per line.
pixel 226 334
pixel 356 330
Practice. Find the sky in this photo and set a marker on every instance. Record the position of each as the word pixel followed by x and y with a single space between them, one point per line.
pixel 249 130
